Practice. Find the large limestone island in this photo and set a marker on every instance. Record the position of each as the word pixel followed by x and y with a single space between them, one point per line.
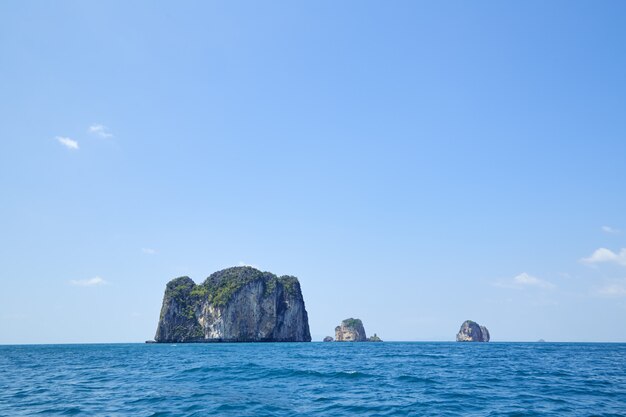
pixel 239 304
pixel 351 330
pixel 472 332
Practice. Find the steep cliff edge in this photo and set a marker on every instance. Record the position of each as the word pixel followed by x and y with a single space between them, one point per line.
pixel 471 331
pixel 239 304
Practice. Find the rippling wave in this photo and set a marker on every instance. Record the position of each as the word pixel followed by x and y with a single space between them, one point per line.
pixel 314 379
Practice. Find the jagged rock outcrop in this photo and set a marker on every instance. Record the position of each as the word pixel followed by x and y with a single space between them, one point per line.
pixel 240 304
pixel 472 332
pixel 350 330
pixel 374 338
pixel 328 339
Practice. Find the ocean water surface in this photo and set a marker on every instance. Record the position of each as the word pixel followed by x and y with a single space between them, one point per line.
pixel 314 379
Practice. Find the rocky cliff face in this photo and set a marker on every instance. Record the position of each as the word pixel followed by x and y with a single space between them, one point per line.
pixel 472 332
pixel 240 304
pixel 350 330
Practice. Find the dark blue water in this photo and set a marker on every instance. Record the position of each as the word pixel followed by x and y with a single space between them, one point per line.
pixel 314 379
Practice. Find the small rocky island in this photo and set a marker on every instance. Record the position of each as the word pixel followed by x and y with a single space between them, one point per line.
pixel 472 332
pixel 351 330
pixel 374 338
pixel 240 304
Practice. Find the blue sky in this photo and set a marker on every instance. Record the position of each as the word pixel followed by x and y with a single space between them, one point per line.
pixel 415 164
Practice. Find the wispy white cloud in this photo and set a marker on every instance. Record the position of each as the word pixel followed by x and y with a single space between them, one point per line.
pixel 100 130
pixel 610 230
pixel 67 142
pixel 525 280
pixel 90 282
pixel 148 251
pixel 603 255
pixel 612 290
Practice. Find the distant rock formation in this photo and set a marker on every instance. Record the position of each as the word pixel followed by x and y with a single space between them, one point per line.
pixel 328 339
pixel 350 330
pixel 239 304
pixel 541 341
pixel 374 338
pixel 472 332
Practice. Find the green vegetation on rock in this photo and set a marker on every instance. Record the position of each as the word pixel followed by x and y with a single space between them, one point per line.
pixel 199 291
pixel 179 288
pixel 220 286
pixel 290 283
pixel 352 322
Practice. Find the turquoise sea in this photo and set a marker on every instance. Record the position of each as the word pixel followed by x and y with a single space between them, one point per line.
pixel 314 379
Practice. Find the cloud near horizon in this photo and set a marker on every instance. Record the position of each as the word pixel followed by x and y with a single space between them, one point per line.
pixel 603 255
pixel 100 130
pixel 91 282
pixel 67 142
pixel 525 280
